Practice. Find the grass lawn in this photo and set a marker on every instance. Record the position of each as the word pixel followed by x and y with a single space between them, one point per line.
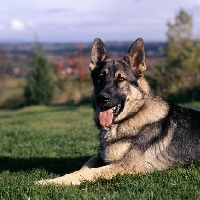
pixel 46 142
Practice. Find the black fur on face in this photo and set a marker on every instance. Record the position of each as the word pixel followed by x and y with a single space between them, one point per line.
pixel 109 79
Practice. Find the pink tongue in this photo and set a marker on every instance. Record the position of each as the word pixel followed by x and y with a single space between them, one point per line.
pixel 105 117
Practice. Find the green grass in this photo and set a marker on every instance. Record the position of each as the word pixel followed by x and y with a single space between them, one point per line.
pixel 46 142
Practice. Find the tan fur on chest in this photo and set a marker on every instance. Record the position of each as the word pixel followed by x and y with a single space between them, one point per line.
pixel 112 147
pixel 116 151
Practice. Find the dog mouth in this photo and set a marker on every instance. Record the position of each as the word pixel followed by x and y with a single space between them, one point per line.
pixel 109 114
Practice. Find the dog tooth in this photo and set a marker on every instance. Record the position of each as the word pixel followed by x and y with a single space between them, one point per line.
pixel 114 108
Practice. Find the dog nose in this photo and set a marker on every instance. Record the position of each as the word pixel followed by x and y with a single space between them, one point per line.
pixel 103 98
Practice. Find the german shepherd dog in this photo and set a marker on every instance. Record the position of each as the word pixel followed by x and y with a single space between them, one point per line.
pixel 139 132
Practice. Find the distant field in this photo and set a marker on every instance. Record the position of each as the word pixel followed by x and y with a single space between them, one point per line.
pixel 12 87
pixel 12 90
pixel 45 142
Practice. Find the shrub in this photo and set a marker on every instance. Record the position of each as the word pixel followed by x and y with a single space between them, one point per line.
pixel 39 88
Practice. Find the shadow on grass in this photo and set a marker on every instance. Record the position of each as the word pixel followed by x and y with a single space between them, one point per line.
pixel 59 166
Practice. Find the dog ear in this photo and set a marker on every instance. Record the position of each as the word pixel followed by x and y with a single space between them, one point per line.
pixel 99 53
pixel 136 57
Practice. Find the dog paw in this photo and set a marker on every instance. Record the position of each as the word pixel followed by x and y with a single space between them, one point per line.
pixel 41 182
pixel 58 181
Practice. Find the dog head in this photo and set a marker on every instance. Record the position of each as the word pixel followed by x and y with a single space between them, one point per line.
pixel 119 86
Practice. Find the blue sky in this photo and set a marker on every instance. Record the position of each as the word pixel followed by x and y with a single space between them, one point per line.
pixel 84 20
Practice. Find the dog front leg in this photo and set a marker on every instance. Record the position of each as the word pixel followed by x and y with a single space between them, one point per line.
pixel 74 178
pixel 86 174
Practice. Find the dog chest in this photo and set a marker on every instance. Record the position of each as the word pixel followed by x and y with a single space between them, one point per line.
pixel 114 152
pixel 112 146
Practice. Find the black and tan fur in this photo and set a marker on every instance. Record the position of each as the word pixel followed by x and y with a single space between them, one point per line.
pixel 142 132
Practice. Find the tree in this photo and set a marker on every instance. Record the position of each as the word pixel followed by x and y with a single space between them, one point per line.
pixel 181 72
pixel 39 88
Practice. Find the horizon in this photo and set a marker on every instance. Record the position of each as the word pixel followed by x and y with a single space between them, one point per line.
pixel 75 42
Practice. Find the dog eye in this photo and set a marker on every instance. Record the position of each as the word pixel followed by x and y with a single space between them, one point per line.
pixel 102 77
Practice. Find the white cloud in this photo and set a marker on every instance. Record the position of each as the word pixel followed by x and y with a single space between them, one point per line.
pixel 17 25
